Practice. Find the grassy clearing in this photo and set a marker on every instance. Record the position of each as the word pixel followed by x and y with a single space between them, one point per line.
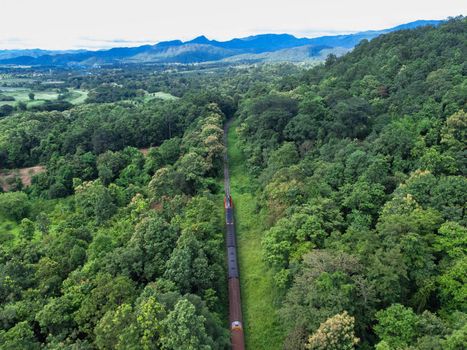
pixel 160 95
pixel 259 297
pixel 22 95
pixel 77 96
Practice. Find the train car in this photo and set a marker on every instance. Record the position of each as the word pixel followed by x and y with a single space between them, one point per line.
pixel 230 238
pixel 232 262
pixel 229 216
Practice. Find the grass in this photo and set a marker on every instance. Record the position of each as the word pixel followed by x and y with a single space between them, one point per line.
pixel 77 96
pixel 259 297
pixel 160 95
pixel 22 95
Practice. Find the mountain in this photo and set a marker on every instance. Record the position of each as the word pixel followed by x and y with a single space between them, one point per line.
pixel 350 40
pixel 6 54
pixel 264 47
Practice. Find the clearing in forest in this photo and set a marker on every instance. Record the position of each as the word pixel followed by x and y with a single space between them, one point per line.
pixel 8 177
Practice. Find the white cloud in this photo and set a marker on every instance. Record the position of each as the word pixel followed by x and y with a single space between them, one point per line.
pixel 63 24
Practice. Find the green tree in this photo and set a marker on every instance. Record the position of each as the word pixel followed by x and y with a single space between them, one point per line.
pixel 95 200
pixel 189 267
pixel 149 319
pixel 117 330
pixel 453 286
pixel 185 329
pixel 397 326
pixel 152 242
pixel 352 118
pixel 56 317
pixel 21 336
pixel 49 275
pixel 453 137
pixel 27 229
pixel 14 205
pixel 43 222
pixel 328 283
pixel 451 240
pixel 106 294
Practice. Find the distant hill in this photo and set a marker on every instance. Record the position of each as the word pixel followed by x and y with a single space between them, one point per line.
pixel 264 47
pixel 6 54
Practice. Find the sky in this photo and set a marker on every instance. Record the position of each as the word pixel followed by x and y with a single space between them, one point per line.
pixel 95 24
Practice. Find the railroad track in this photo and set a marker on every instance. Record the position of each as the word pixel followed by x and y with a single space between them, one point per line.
pixel 235 305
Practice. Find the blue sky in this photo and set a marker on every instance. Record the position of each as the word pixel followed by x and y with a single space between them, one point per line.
pixel 93 24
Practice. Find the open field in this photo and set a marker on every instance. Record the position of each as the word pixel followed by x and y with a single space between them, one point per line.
pixel 259 298
pixel 161 95
pixel 22 95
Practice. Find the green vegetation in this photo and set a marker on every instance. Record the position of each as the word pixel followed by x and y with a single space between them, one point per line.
pixel 349 186
pixel 131 258
pixel 9 231
pixel 75 97
pixel 162 95
pixel 23 95
pixel 22 99
pixel 259 299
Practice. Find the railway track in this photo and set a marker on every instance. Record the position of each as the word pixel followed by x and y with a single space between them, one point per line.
pixel 235 305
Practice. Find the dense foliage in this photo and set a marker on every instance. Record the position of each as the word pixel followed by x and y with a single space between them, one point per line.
pixel 133 259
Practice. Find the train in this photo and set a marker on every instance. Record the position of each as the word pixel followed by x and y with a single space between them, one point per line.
pixel 235 306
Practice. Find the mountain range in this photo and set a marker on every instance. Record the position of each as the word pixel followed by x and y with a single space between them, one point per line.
pixel 257 48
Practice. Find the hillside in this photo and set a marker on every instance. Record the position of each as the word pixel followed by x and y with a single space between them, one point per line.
pixel 362 170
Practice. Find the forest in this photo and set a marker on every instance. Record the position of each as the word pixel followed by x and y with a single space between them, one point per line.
pixel 357 167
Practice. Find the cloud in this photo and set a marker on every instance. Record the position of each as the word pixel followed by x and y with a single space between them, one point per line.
pixel 100 43
pixel 55 24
